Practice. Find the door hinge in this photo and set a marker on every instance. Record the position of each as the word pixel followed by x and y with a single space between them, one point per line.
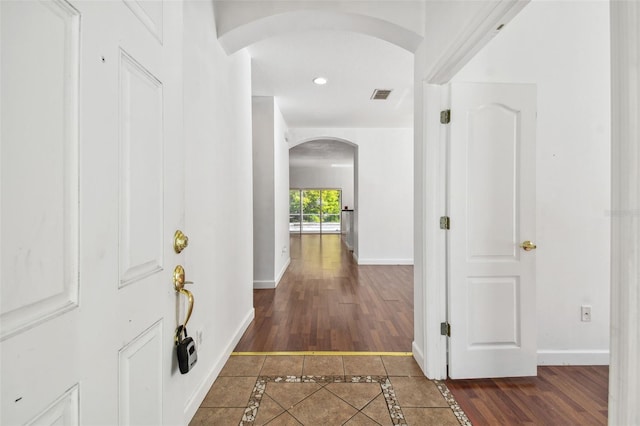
pixel 445 116
pixel 445 329
pixel 445 222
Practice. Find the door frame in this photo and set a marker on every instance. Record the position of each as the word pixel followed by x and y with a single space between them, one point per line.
pixel 430 153
pixel 430 283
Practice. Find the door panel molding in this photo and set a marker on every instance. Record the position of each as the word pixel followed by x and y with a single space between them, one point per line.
pixel 492 167
pixel 140 372
pixel 150 14
pixel 64 410
pixel 141 170
pixel 40 228
pixel 489 328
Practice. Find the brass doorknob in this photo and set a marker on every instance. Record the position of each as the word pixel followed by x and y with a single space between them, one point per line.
pixel 528 246
pixel 180 241
pixel 178 278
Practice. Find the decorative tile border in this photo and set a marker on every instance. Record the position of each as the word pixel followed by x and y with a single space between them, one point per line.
pixel 250 413
pixel 397 417
pixel 453 404
pixel 395 411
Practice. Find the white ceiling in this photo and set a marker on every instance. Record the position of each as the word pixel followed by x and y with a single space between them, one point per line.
pixel 355 65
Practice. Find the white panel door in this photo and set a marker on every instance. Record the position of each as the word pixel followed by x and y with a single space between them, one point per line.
pixel 492 295
pixel 92 192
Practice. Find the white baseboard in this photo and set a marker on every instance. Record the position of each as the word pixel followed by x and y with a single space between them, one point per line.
pixel 573 357
pixel 418 356
pixel 282 271
pixel 193 403
pixel 271 284
pixel 384 261
pixel 355 257
pixel 262 285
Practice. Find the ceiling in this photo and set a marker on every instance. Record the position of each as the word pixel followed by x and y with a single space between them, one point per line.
pixel 322 153
pixel 355 64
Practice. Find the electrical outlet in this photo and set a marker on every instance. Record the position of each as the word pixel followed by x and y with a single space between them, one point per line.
pixel 585 312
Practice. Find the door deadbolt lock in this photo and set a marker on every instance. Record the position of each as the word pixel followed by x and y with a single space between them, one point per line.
pixel 180 241
pixel 528 246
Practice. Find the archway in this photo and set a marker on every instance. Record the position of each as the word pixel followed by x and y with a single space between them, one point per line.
pixel 245 32
pixel 328 162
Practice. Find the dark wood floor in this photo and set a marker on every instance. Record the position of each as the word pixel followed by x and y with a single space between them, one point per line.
pixel 557 396
pixel 326 302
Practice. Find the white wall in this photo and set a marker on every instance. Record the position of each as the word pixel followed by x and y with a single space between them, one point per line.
pixel 281 195
pixel 270 193
pixel 263 196
pixel 324 177
pixel 384 204
pixel 217 133
pixel 563 47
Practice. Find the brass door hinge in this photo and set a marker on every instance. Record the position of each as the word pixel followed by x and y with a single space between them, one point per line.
pixel 445 222
pixel 445 116
pixel 445 329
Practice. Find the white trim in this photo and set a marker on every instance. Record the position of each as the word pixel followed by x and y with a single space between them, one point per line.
pixel 476 35
pixel 384 261
pixel 264 285
pixel 193 403
pixel 282 271
pixel 573 357
pixel 271 284
pixel 418 355
pixel 434 240
pixel 355 257
pixel 624 374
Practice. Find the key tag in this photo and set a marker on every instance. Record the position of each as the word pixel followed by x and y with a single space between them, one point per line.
pixel 185 350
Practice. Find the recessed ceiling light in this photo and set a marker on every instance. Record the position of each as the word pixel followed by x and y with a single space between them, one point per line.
pixel 320 81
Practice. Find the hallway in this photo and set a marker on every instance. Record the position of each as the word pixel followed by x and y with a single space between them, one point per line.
pixel 326 302
pixel 281 373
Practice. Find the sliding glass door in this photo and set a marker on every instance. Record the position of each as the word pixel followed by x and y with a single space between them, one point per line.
pixel 295 211
pixel 315 211
pixel 311 218
pixel 330 210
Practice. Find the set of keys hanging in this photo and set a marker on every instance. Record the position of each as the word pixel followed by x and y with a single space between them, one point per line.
pixel 185 345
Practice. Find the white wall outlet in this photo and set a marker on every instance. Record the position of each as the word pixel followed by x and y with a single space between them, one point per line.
pixel 585 312
pixel 199 335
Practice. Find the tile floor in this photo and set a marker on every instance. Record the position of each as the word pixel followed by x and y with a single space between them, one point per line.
pixel 326 390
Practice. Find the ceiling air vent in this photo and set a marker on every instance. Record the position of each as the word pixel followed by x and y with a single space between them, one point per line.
pixel 381 94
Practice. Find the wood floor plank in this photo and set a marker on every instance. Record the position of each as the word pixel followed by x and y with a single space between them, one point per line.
pixel 326 302
pixel 567 395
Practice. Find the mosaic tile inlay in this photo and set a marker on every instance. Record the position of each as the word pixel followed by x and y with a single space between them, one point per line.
pixel 448 396
pixel 311 400
pixel 395 411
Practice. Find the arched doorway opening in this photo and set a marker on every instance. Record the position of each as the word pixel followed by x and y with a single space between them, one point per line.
pixel 323 187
